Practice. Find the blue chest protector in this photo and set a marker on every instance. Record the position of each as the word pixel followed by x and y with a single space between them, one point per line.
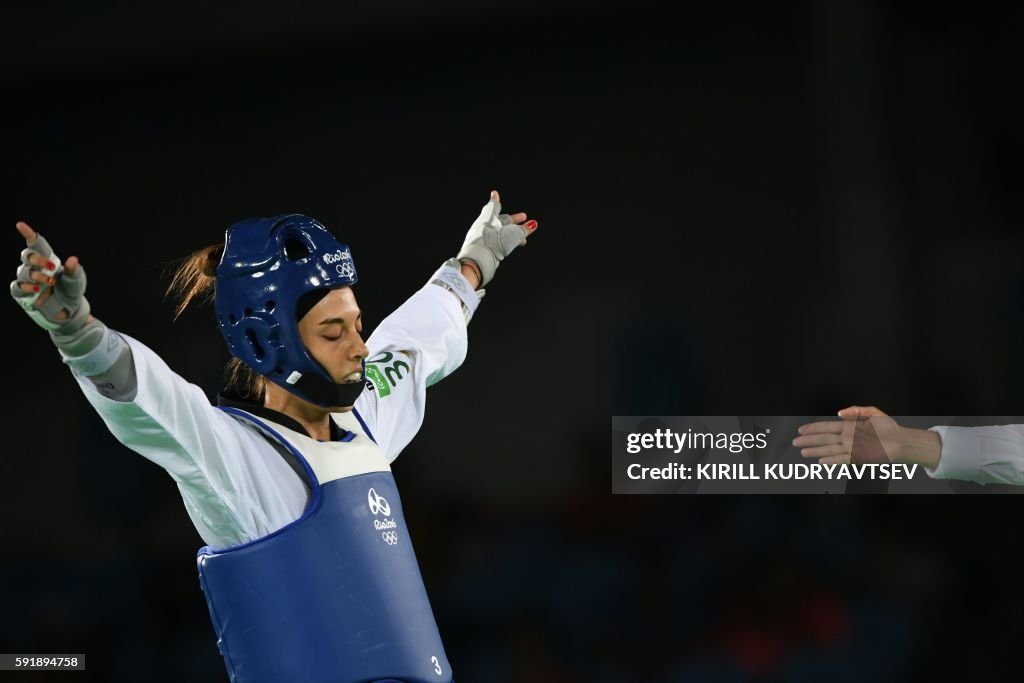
pixel 334 597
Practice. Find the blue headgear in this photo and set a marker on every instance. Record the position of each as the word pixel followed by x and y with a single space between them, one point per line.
pixel 268 264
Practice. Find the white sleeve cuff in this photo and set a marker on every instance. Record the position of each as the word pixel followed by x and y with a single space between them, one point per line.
pixel 449 276
pixel 960 457
pixel 102 357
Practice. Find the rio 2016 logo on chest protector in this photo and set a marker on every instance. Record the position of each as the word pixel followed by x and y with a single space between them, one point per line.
pixel 379 505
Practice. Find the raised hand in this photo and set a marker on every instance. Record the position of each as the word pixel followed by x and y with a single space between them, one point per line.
pixel 493 236
pixel 52 294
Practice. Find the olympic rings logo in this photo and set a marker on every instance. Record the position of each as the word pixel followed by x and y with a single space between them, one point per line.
pixel 390 537
pixel 378 504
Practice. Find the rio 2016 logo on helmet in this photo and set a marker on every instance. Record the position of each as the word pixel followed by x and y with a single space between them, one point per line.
pixel 267 265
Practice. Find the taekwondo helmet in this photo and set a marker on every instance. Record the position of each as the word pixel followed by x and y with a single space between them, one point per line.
pixel 267 266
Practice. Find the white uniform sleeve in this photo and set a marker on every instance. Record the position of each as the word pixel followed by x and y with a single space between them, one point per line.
pixel 235 485
pixel 418 345
pixel 987 455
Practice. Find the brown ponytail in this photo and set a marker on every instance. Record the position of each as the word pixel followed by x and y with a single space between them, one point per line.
pixel 195 277
pixel 193 280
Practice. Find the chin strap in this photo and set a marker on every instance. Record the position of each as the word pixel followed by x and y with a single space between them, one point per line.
pixel 325 393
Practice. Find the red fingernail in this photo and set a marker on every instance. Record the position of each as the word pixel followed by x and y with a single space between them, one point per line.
pixel 531 225
pixel 35 288
pixel 50 265
pixel 50 281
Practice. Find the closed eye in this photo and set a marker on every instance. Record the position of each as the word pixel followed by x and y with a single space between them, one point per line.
pixel 333 338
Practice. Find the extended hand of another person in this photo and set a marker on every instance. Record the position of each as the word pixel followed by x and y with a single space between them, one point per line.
pixel 862 435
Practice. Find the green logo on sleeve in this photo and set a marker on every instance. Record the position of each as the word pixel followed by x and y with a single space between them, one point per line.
pixel 393 372
pixel 374 375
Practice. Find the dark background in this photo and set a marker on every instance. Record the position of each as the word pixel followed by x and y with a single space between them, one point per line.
pixel 745 208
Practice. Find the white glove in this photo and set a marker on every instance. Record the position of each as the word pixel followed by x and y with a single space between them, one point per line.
pixel 491 238
pixel 68 289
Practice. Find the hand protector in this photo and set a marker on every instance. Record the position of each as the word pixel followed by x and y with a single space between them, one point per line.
pixel 491 238
pixel 68 291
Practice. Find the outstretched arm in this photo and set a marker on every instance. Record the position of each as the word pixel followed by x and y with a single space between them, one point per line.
pixel 424 340
pixel 234 484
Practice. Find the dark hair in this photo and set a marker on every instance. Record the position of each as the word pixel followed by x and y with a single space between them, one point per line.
pixel 195 280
